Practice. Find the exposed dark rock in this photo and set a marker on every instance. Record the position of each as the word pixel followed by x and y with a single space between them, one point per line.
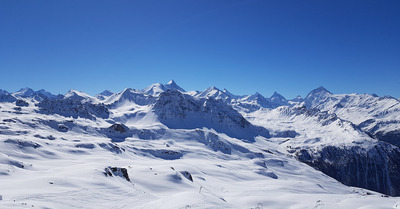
pixel 164 154
pixel 263 172
pixel 376 168
pixel 62 128
pixel 116 171
pixel 187 175
pixel 23 144
pixel 392 137
pixel 112 147
pixel 73 108
pixel 118 132
pixel 118 128
pixel 21 103
pixel 85 145
pixel 177 110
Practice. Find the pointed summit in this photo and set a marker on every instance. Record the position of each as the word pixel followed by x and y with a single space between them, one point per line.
pixel 45 93
pixel 106 93
pixel 172 85
pixel 6 97
pixel 316 96
pixel 103 95
pixel 78 95
pixel 2 92
pixel 278 100
pixel 277 96
pixel 256 96
pixel 319 91
pixel 24 92
pixel 171 82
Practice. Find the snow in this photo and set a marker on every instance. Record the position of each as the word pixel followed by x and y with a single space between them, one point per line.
pixel 42 166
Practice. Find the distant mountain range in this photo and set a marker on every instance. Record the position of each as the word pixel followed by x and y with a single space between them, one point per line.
pixel 353 138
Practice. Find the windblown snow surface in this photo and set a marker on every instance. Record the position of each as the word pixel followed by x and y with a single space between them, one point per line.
pixel 162 147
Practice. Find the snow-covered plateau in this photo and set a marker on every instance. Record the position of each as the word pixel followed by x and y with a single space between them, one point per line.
pixel 163 147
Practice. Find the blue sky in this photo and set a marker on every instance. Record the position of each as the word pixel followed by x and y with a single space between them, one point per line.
pixel 289 46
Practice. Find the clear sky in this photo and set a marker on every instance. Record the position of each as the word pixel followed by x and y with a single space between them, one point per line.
pixel 245 46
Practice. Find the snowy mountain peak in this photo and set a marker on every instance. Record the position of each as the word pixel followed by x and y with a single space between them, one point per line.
pixel 2 92
pixel 210 92
pixel 106 93
pixel 277 96
pixel 171 82
pixel 319 91
pixel 256 96
pixel 230 94
pixel 6 97
pixel 172 85
pixel 158 88
pixel 316 96
pixel 30 93
pixel 213 88
pixel 154 89
pixel 78 95
pixel 278 100
pixel 45 93
pixel 24 92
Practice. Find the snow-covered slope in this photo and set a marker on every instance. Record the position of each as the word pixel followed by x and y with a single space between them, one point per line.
pixel 79 96
pixel 180 111
pixel 335 146
pixel 166 148
pixel 378 116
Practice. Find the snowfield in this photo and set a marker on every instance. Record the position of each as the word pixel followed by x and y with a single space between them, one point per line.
pixel 162 147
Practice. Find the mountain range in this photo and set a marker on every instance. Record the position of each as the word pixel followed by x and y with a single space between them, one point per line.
pixel 164 147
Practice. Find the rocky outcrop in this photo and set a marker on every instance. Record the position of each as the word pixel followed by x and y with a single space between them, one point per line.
pixel 117 171
pixel 177 110
pixel 376 168
pixel 21 103
pixel 73 108
pixel 187 175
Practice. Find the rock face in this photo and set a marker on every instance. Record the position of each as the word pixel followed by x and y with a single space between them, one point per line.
pixel 73 108
pixel 375 168
pixel 392 137
pixel 6 97
pixel 187 175
pixel 118 128
pixel 117 171
pixel 21 103
pixel 180 111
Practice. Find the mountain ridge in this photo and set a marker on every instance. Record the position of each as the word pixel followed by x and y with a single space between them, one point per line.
pixel 196 139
